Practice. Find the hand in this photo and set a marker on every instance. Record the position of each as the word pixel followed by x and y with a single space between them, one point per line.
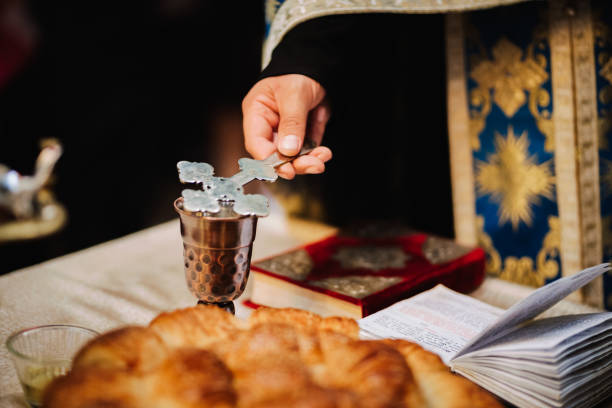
pixel 277 113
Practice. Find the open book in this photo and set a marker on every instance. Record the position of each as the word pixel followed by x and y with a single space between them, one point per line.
pixel 563 361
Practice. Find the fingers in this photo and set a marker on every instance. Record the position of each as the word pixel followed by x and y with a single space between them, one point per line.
pixel 293 110
pixel 277 113
pixel 322 153
pixel 313 163
pixel 259 121
pixel 286 171
pixel 318 120
pixel 308 165
pixel 258 138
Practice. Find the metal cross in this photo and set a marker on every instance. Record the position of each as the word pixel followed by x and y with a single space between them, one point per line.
pixel 218 191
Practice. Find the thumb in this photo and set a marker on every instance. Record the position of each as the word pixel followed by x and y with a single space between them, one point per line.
pixel 293 111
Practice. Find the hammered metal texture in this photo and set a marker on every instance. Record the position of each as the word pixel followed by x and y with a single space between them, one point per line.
pixel 217 254
pixel 216 275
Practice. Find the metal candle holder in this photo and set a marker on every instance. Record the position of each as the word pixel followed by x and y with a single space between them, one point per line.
pixel 218 225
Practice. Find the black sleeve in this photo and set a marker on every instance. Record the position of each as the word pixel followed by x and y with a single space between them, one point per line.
pixel 320 49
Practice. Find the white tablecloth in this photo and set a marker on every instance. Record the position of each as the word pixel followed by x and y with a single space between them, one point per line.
pixel 132 279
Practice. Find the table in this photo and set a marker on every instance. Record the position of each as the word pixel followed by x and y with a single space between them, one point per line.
pixel 132 279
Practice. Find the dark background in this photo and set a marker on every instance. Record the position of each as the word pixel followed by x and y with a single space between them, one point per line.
pixel 132 87
pixel 129 88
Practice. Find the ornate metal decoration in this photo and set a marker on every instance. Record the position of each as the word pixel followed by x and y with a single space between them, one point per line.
pixel 17 191
pixel 374 258
pixel 220 191
pixel 357 286
pixel 439 250
pixel 296 265
pixel 28 208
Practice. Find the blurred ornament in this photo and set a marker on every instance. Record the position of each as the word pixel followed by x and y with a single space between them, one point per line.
pixel 28 209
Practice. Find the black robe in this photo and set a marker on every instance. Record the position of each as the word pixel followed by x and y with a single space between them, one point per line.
pixel 385 77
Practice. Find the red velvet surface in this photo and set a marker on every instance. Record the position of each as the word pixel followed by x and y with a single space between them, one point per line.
pixel 463 274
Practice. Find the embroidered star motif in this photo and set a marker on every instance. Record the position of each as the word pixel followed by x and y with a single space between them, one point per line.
pixel 514 179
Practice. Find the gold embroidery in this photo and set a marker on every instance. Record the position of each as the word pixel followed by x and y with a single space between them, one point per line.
pixel 357 286
pixel 602 37
pixel 271 9
pixel 494 262
pixel 294 12
pixel 375 258
pixel 521 270
pixel 606 70
pixel 547 265
pixel 513 179
pixel 295 265
pixel 508 76
pixel 439 250
pixel 482 99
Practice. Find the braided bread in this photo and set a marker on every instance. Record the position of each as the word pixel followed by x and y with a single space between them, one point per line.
pixel 204 357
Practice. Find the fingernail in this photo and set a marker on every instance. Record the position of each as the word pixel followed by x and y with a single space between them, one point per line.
pixel 290 143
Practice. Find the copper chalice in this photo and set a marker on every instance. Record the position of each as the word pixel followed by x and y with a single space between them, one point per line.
pixel 217 253
pixel 218 223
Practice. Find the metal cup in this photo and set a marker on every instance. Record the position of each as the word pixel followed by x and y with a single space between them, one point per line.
pixel 217 253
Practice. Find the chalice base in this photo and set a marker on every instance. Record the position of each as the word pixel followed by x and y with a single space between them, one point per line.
pixel 227 306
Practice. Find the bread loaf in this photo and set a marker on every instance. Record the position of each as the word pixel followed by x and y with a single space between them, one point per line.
pixel 204 357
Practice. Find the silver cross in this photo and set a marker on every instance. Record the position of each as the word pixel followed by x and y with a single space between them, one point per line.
pixel 219 191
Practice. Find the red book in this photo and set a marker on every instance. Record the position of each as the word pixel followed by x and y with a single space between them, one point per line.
pixel 356 275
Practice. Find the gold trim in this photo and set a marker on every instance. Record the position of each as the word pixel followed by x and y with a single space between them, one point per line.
pixel 293 12
pixel 521 270
pixel 494 262
pixel 505 78
pixel 462 170
pixel 271 7
pixel 587 140
pixel 565 138
pixel 511 79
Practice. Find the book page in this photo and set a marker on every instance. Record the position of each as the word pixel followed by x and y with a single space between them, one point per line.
pixel 440 320
pixel 549 337
pixel 502 293
pixel 534 304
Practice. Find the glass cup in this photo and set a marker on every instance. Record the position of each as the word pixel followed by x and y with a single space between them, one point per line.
pixel 42 353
